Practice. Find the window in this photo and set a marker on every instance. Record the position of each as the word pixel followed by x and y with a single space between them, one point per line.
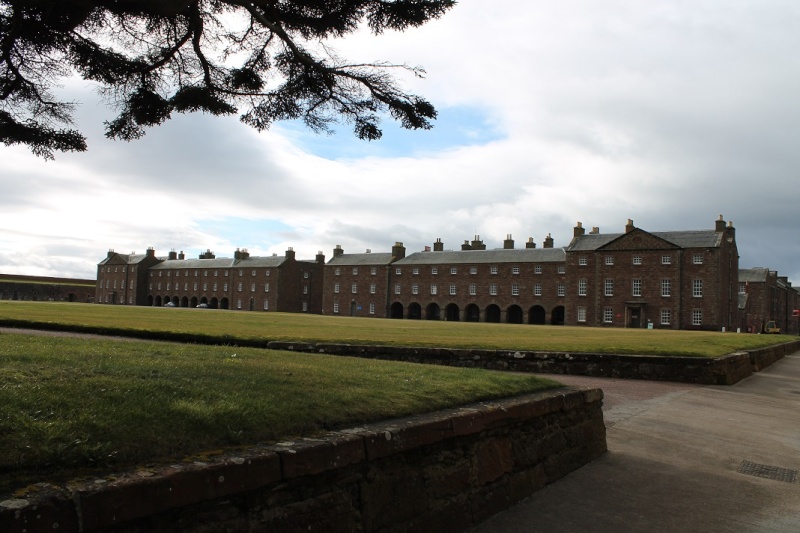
pixel 336 288
pixel 637 259
pixel 398 271
pixel 582 287
pixel 266 305
pixel 666 287
pixel 537 270
pixel 335 307
pixel 493 289
pixel 225 287
pixel 666 317
pixel 473 270
pixel 434 270
pixel 337 271
pixel 226 273
pixel 666 259
pixel 537 289
pixel 515 270
pixel 372 308
pixel 433 288
pixel 372 288
pixel 562 269
pixel 742 287
pixel 354 288
pixel 697 259
pixel 414 289
pixel 636 287
pixel 305 274
pixel 581 314
pixel 415 271
pixel 608 315
pixel 195 286
pixel 514 289
pixel 583 262
pixel 241 273
pixel 493 269
pixel 397 288
pixel 215 287
pixel 561 290
pixel 697 317
pixel 609 260
pixel 252 272
pixel 453 270
pixel 355 271
pixel 205 287
pixel 266 287
pixel 697 288
pixel 186 287
pixel 305 289
pixel 252 287
pixel 373 271
pixel 239 303
pixel 452 289
pixel 239 287
pixel 216 273
pixel 608 287
pixel 473 289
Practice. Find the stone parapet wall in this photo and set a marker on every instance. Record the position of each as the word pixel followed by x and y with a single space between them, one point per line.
pixel 762 358
pixel 443 471
pixel 725 370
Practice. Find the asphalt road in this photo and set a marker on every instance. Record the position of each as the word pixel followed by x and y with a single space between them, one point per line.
pixel 681 458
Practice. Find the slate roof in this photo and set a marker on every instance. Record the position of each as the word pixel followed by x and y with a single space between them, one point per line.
pixel 681 239
pixel 365 259
pixel 499 255
pixel 220 262
pixel 130 259
pixel 757 274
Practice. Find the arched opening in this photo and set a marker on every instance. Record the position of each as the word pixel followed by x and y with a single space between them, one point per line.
pixel 185 301
pixel 414 311
pixel 193 302
pixel 493 313
pixel 396 311
pixel 537 315
pixel 432 312
pixel 214 303
pixel 71 297
pixel 472 313
pixel 224 304
pixel 557 318
pixel 158 301
pixel 175 301
pixel 514 314
pixel 252 304
pixel 452 313
pixel 150 300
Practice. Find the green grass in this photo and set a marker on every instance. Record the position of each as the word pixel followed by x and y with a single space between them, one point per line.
pixel 232 325
pixel 73 403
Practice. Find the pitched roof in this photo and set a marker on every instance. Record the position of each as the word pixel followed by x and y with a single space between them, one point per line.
pixel 221 262
pixel 362 259
pixel 753 275
pixel 681 239
pixel 500 255
pixel 130 259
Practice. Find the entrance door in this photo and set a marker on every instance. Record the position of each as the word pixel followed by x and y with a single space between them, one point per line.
pixel 635 314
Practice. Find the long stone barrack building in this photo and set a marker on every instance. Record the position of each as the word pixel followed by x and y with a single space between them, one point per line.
pixel 633 279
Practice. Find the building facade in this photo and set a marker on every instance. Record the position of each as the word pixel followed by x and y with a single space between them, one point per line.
pixel 632 279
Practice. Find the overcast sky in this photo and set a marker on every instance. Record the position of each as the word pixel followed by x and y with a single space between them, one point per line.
pixel 668 113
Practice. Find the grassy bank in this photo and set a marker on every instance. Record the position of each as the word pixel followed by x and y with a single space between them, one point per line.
pixel 71 404
pixel 230 326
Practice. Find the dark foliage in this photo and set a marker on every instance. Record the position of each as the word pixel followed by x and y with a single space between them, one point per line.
pixel 263 58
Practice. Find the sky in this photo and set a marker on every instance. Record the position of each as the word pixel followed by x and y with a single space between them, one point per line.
pixel 668 113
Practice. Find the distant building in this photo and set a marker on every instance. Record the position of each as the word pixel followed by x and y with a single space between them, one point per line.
pixel 632 279
pixel 46 289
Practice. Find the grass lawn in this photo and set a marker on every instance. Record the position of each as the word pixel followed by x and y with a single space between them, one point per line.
pixel 232 325
pixel 71 404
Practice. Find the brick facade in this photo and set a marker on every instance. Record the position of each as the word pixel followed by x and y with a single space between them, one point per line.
pixel 633 279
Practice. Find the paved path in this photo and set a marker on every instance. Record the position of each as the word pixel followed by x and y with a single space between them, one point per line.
pixel 682 458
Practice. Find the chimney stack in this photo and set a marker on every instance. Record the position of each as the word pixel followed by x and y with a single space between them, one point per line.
pixel 172 255
pixel 320 258
pixel 181 256
pixel 438 246
pixel 595 230
pixel 530 244
pixel 720 224
pixel 208 254
pixel 548 242
pixel 398 251
pixel 337 251
pixel 151 252
pixel 629 227
pixel 578 230
pixel 508 244
pixel 466 246
pixel 289 254
pixel 477 243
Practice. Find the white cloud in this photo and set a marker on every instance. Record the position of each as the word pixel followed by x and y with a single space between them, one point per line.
pixel 668 113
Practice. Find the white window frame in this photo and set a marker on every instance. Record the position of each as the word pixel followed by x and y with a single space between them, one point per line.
pixel 514 289
pixel 582 261
pixel 666 259
pixel 493 289
pixel 582 287
pixel 637 260
pixel 434 289
pixel 636 287
pixel 452 289
pixel 581 314
pixel 697 259
pixel 608 315
pixel 697 317
pixel 609 261
pixel 697 288
pixel 666 288
pixel 537 289
pixel 666 317
pixel 608 287
pixel 561 290
pixel 515 270
pixel 473 289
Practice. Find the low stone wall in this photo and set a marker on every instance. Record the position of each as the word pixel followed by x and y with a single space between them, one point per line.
pixel 762 358
pixel 725 370
pixel 444 471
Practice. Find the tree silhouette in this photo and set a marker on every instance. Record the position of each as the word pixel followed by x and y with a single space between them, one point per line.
pixel 265 59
